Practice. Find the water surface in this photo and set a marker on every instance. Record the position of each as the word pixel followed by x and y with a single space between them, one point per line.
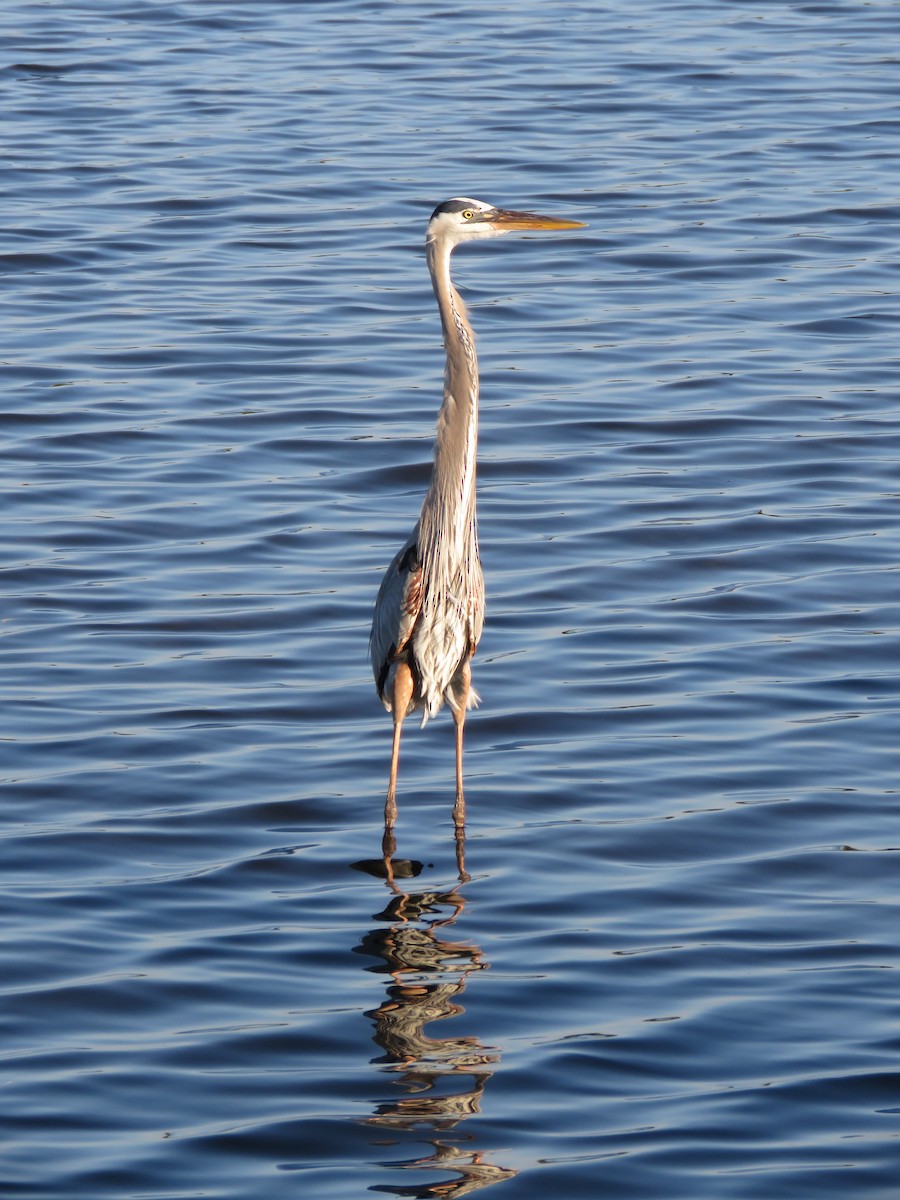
pixel 671 974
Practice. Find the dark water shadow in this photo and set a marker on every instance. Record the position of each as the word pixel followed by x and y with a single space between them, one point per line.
pixel 437 1082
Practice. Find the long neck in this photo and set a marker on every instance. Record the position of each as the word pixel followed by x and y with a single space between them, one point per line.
pixel 448 513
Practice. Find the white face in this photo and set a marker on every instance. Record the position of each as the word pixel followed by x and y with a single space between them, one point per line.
pixel 461 219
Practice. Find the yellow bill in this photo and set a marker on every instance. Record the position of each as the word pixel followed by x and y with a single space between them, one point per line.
pixel 507 219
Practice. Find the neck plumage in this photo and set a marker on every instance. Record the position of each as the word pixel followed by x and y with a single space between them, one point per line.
pixel 448 513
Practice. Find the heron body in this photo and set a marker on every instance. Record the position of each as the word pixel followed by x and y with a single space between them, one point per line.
pixel 430 606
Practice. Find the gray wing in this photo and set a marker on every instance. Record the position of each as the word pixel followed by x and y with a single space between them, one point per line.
pixel 397 608
pixel 476 615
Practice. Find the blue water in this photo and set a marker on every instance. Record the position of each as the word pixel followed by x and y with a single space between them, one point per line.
pixel 673 972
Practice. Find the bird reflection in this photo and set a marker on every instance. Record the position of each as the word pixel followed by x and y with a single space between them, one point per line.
pixel 442 1078
pixel 387 869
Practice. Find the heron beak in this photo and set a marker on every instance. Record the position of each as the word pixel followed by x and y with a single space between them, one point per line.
pixel 507 220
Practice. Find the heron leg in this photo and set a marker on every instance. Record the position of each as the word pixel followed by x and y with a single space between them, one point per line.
pixel 460 834
pixel 461 696
pixel 461 686
pixel 400 698
pixel 388 849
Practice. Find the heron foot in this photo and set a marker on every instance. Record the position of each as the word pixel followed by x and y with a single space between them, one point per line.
pixel 390 811
pixel 460 834
pixel 388 850
pixel 459 811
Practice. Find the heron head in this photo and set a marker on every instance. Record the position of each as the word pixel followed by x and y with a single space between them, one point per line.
pixel 463 219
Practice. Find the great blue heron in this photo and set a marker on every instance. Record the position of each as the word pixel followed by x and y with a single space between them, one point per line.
pixel 430 606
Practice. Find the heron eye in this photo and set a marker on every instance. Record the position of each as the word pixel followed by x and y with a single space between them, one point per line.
pixel 467 214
